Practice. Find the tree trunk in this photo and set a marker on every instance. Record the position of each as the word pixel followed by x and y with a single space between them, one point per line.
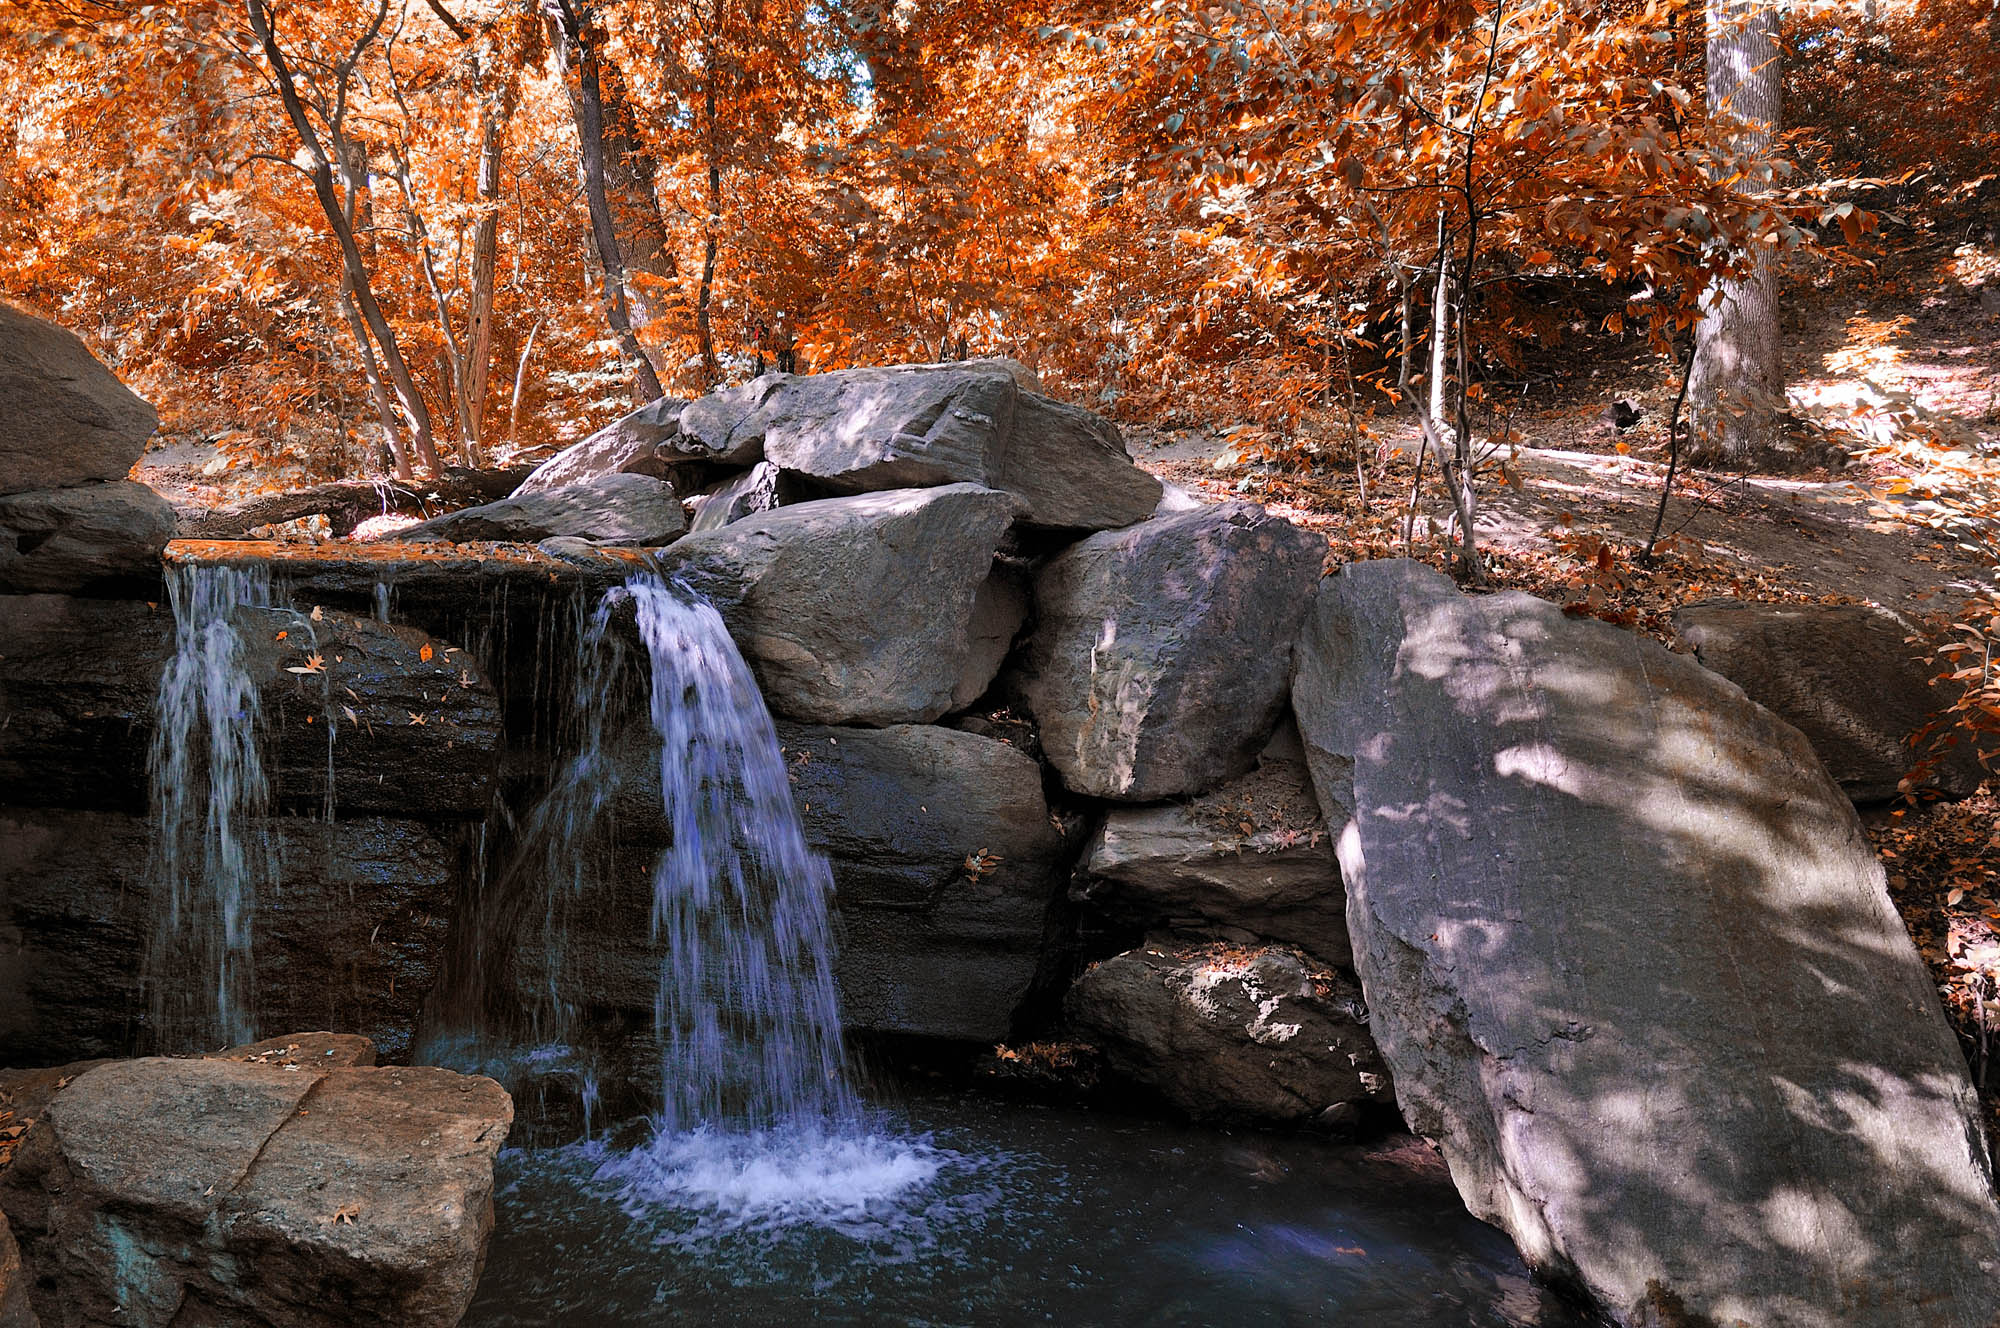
pixel 1737 386
pixel 408 396
pixel 704 330
pixel 485 251
pixel 573 38
pixel 352 172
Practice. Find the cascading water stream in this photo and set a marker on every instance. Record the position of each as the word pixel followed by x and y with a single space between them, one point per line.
pixel 211 855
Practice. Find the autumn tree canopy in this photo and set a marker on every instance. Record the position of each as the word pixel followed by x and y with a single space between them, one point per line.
pixel 367 234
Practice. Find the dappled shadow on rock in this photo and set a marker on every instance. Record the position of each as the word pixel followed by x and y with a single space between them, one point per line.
pixel 1632 963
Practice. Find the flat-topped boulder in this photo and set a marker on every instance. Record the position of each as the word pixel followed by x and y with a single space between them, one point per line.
pixel 65 419
pixel 854 610
pixel 907 426
pixel 613 508
pixel 1161 653
pixel 1855 679
pixel 100 538
pixel 1251 856
pixel 1260 1034
pixel 634 444
pixel 159 1192
pixel 1632 963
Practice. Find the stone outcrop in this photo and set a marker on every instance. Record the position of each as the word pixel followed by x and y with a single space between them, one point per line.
pixel 164 1192
pixel 761 488
pixel 91 538
pixel 909 426
pixel 1142 632
pixel 858 609
pixel 1633 966
pixel 1250 858
pixel 352 940
pixel 65 419
pixel 616 508
pixel 632 445
pixel 15 1311
pixel 1845 675
pixel 408 724
pixel 1263 1034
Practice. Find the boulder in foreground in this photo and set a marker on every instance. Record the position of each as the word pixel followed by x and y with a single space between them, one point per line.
pixel 1262 1034
pixel 172 1192
pixel 88 539
pixel 1632 963
pixel 64 418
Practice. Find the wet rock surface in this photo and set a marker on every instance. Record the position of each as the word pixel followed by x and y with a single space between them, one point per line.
pixel 854 610
pixel 351 940
pixel 1595 896
pixel 1848 676
pixel 1260 1034
pixel 163 1192
pixel 64 417
pixel 1140 633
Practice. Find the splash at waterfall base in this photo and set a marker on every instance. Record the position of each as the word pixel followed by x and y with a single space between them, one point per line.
pixel 1288 849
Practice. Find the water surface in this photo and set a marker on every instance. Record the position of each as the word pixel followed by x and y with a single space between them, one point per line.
pixel 956 1211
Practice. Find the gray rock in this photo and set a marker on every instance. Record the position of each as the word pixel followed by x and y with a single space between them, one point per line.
pixel 762 488
pixel 352 940
pixel 1845 675
pixel 64 418
pixel 909 426
pixel 854 610
pixel 168 1192
pixel 94 538
pixel 15 1311
pixel 1161 653
pixel 999 611
pixel 632 445
pixel 1251 855
pixel 1263 1035
pixel 1632 963
pixel 944 861
pixel 615 509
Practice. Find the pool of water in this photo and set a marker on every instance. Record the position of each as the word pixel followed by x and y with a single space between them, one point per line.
pixel 967 1211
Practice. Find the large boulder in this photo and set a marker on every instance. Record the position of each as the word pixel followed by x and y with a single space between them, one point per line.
pixel 351 940
pixel 1845 675
pixel 93 538
pixel 632 445
pixel 174 1192
pixel 859 609
pixel 1263 1035
pixel 64 418
pixel 617 508
pixel 908 426
pixel 944 863
pixel 1249 856
pixel 1161 653
pixel 406 724
pixel 1632 963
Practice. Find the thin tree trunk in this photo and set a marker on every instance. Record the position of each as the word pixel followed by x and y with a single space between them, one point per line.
pixel 520 379
pixel 703 329
pixel 572 37
pixel 408 396
pixel 1440 330
pixel 485 251
pixel 1737 384
pixel 385 410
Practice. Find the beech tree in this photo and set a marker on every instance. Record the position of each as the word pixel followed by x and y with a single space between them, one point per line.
pixel 1736 383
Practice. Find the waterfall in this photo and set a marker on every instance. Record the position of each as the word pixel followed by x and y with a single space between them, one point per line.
pixel 747 1015
pixel 211 854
